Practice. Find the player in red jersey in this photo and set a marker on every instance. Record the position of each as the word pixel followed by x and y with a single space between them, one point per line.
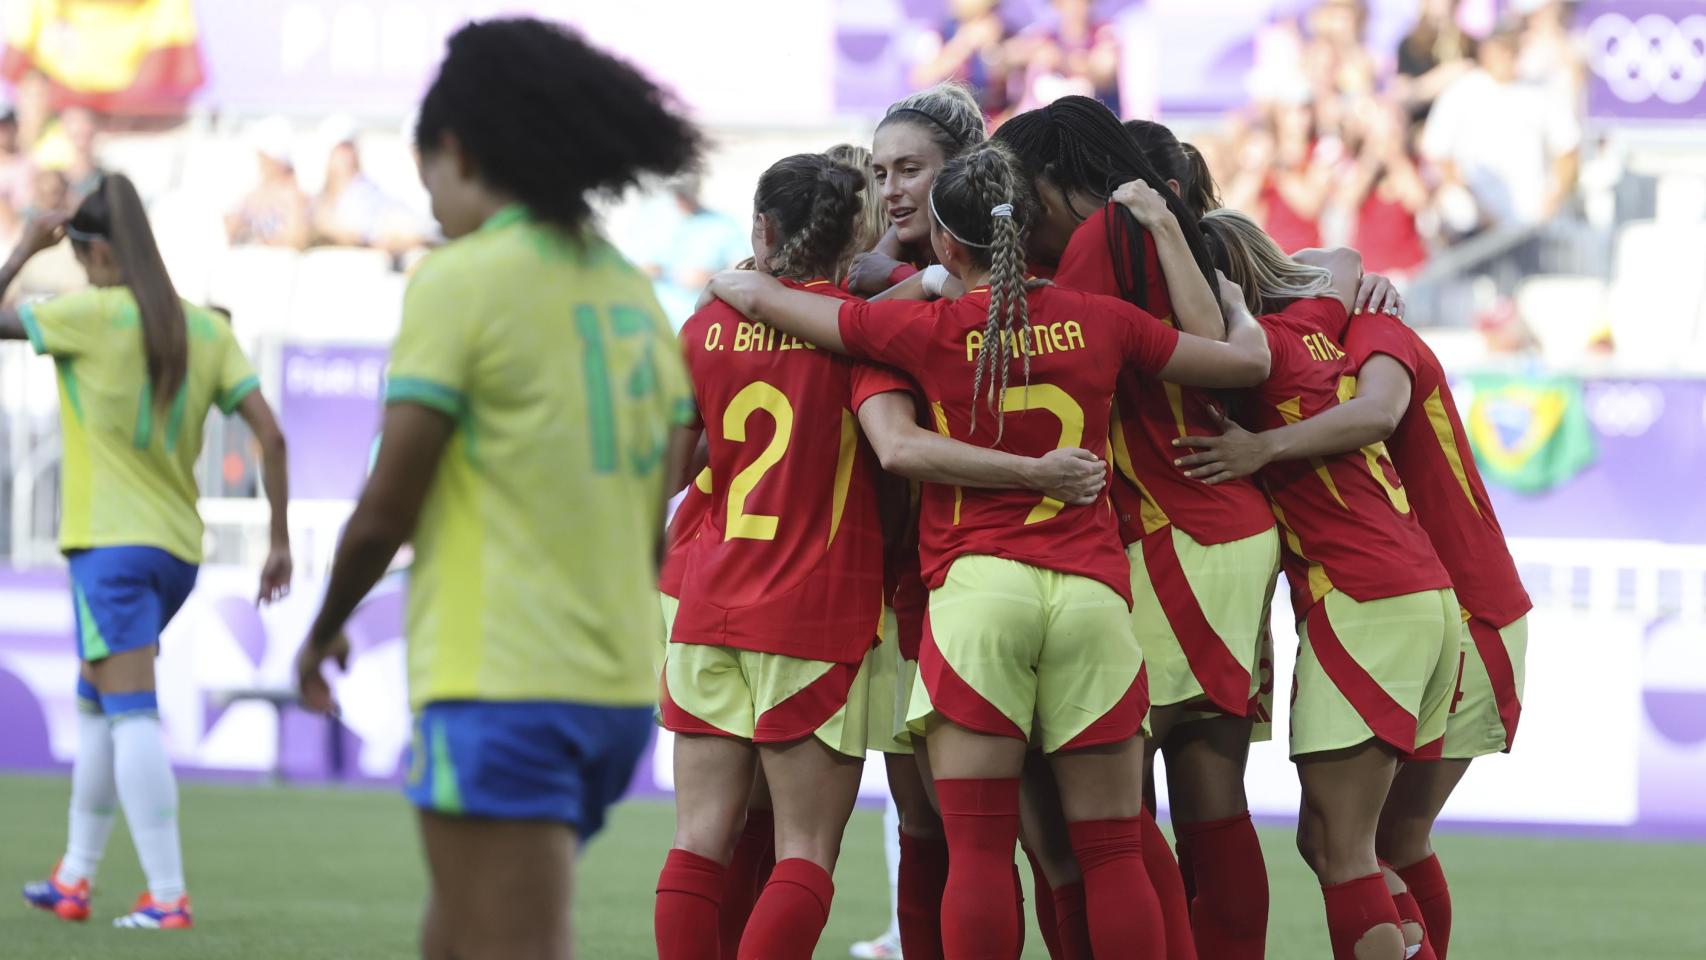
pixel 1404 400
pixel 1029 629
pixel 1378 622
pixel 915 138
pixel 1203 561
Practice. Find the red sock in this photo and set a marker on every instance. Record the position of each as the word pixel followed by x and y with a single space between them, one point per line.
pixel 981 819
pixel 684 920
pixel 1410 912
pixel 1164 876
pixel 1353 909
pixel 1427 884
pixel 1187 871
pixel 790 913
pixel 1072 924
pixel 923 875
pixel 1125 915
pixel 755 853
pixel 1047 922
pixel 1019 908
pixel 1229 912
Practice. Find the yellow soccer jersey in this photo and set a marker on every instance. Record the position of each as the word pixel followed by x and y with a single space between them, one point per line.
pixel 128 476
pixel 535 554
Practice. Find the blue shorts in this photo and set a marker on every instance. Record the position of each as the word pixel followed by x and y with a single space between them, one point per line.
pixel 125 596
pixel 529 760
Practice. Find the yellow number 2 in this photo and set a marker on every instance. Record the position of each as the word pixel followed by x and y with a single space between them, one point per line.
pixel 1047 396
pixel 752 398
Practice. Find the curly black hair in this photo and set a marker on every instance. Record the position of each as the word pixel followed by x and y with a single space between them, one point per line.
pixel 548 118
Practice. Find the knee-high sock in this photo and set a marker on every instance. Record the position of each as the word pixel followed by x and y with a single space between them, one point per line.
pixel 1353 909
pixel 1047 922
pixel 1426 881
pixel 147 790
pixel 789 916
pixel 1125 915
pixel 1229 914
pixel 1169 887
pixel 748 869
pixel 923 877
pixel 981 819
pixel 94 792
pixel 1410 912
pixel 1187 870
pixel 1071 923
pixel 684 919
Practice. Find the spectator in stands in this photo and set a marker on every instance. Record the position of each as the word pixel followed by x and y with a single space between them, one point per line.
pixel 54 270
pixel 1548 54
pixel 1383 194
pixel 696 244
pixel 16 173
pixel 1285 176
pixel 68 145
pixel 1090 49
pixel 1432 57
pixel 275 212
pixel 1512 145
pixel 970 48
pixel 354 211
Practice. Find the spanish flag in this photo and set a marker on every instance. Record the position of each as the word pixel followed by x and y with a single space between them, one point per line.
pixel 112 56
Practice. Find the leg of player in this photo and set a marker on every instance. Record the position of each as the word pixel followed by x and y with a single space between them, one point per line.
pixel 1101 790
pixel 977 789
pixel 1217 841
pixel 813 788
pixel 750 865
pixel 1404 840
pixel 500 888
pixel 94 804
pixel 923 858
pixel 1054 871
pixel 147 790
pixel 713 779
pixel 1158 859
pixel 1343 791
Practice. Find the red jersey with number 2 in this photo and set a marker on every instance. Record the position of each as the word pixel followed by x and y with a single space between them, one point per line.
pixel 1431 451
pixel 1078 344
pixel 790 559
pixel 1346 519
pixel 1151 413
pixel 683 532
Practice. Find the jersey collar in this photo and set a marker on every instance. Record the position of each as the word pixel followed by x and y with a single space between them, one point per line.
pixel 512 213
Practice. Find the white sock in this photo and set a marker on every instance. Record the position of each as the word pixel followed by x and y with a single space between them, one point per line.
pixel 94 799
pixel 891 855
pixel 149 794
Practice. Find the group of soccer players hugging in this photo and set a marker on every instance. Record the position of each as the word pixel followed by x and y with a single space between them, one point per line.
pixel 991 454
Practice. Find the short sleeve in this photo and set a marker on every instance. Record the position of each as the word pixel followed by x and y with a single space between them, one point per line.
pixel 236 375
pixel 70 325
pixel 1372 333
pixel 872 379
pixel 901 273
pixel 432 357
pixel 1148 343
pixel 895 332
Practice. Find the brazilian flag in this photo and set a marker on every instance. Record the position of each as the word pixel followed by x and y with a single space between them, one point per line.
pixel 1530 432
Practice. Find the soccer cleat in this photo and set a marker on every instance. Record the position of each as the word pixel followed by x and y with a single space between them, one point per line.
pixel 151 915
pixel 68 901
pixel 885 947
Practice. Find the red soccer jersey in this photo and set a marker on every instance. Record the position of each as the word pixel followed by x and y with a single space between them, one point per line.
pixel 683 531
pixel 790 560
pixel 1346 520
pixel 1431 451
pixel 1077 345
pixel 1150 414
pixel 903 586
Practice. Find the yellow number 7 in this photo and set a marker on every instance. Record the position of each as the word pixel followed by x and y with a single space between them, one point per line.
pixel 1047 396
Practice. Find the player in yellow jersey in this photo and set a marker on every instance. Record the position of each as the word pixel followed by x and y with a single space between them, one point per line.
pixel 532 389
pixel 139 370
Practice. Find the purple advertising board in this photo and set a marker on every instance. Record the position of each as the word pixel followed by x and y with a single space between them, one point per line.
pixel 1646 59
pixel 330 405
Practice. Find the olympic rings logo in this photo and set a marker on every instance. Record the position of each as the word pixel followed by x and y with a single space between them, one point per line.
pixel 1652 56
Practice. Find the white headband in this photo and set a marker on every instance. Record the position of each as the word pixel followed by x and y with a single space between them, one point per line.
pixel 937 217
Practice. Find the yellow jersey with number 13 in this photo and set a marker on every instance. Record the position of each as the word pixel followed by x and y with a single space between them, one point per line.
pixel 129 473
pixel 535 553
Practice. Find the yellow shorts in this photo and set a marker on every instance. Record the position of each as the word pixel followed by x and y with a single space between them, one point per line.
pixel 1260 710
pixel 669 605
pixel 1377 669
pixel 1198 613
pixel 1015 650
pixel 764 697
pixel 1488 700
pixel 889 691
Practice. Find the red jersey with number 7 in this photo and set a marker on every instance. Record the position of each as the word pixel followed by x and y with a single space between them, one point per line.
pixel 790 558
pixel 1151 413
pixel 1077 344
pixel 1431 450
pixel 1346 520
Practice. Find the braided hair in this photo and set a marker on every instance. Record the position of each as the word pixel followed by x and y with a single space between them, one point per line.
pixel 873 219
pixel 982 200
pixel 1076 143
pixel 815 204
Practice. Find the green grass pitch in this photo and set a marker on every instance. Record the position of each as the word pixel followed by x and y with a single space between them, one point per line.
pixel 320 874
